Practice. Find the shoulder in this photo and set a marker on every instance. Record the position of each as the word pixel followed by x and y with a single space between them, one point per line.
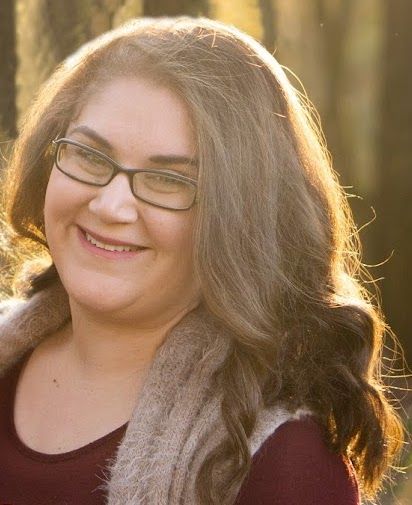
pixel 294 466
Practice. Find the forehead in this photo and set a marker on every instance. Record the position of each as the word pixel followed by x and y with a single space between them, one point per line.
pixel 140 116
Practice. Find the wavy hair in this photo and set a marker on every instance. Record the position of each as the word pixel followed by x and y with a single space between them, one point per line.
pixel 276 249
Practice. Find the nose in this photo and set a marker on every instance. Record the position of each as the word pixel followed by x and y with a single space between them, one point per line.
pixel 115 202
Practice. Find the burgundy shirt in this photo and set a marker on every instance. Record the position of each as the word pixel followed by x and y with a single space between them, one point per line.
pixel 293 466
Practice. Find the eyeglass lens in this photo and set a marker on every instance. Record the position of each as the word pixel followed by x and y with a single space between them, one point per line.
pixel 153 186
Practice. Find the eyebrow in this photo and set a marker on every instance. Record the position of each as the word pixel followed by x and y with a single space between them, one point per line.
pixel 170 159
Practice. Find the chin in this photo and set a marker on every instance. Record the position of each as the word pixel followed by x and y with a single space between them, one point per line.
pixel 96 297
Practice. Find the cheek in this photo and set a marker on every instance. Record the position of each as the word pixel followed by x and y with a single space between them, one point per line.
pixel 172 233
pixel 56 194
pixel 63 197
pixel 51 202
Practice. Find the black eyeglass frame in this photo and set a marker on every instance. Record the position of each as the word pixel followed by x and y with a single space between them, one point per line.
pixel 117 169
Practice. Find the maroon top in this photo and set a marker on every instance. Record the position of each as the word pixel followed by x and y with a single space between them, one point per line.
pixel 293 467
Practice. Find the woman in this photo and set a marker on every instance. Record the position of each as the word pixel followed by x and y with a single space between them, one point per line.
pixel 200 335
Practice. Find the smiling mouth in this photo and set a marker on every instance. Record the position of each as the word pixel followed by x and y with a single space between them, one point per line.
pixel 110 247
pixel 106 246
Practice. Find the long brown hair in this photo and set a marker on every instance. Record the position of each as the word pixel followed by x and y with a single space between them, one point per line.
pixel 276 249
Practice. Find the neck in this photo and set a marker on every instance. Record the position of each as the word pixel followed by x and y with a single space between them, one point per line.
pixel 100 349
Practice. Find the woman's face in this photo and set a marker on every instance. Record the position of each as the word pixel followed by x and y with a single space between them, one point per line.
pixel 132 121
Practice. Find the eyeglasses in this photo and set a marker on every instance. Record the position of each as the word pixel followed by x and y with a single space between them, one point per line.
pixel 161 188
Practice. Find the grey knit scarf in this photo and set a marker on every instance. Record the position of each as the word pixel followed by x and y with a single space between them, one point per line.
pixel 177 418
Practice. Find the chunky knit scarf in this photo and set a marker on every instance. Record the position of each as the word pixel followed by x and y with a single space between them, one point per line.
pixel 177 419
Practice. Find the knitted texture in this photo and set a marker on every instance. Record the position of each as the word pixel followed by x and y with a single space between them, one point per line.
pixel 24 324
pixel 177 418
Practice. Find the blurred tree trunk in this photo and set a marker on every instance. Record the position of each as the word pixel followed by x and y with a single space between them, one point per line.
pixel 394 199
pixel 175 7
pixel 50 30
pixel 8 70
pixel 334 18
pixel 268 19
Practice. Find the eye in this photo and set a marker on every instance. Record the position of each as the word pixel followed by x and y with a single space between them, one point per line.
pixel 161 183
pixel 89 161
pixel 88 156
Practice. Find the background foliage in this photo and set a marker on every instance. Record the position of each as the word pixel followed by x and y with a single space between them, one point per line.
pixel 354 60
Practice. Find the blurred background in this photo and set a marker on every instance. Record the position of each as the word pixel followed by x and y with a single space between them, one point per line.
pixel 354 60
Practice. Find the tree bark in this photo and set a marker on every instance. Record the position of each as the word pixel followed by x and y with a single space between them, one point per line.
pixel 50 30
pixel 8 70
pixel 267 12
pixel 175 7
pixel 334 19
pixel 393 204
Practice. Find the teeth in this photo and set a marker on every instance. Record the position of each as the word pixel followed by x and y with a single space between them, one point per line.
pixel 101 245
